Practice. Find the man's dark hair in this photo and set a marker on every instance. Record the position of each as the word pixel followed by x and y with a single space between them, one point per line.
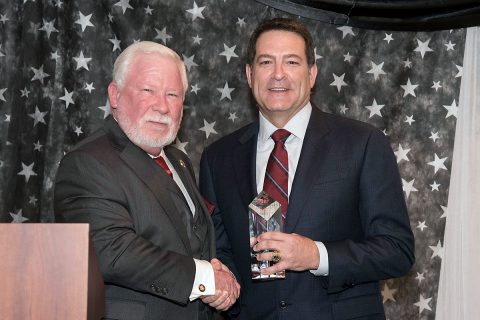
pixel 281 24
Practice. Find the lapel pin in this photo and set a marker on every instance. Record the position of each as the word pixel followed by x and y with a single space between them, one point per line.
pixel 182 163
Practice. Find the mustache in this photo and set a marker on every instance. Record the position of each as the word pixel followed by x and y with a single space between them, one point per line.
pixel 158 118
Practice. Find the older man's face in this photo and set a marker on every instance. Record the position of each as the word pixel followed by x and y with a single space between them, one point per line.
pixel 149 105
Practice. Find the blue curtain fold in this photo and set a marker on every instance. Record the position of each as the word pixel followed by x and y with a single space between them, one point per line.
pixel 399 15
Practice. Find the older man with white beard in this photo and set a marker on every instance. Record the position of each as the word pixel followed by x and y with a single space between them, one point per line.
pixel 150 228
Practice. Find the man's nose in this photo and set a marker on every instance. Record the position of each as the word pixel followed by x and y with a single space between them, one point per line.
pixel 279 72
pixel 159 103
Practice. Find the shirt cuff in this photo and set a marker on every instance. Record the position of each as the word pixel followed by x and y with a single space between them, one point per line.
pixel 204 282
pixel 323 265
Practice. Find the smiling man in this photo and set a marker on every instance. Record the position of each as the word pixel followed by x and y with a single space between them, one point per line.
pixel 149 225
pixel 346 223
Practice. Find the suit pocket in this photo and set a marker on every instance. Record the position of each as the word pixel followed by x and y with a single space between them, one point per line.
pixel 363 306
pixel 334 172
pixel 329 179
pixel 124 310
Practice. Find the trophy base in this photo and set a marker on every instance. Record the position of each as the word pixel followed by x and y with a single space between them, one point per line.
pixel 257 266
pixel 257 276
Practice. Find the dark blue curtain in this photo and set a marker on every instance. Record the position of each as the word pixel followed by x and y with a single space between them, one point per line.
pixel 412 15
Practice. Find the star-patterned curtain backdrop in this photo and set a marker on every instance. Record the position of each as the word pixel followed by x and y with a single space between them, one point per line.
pixel 56 59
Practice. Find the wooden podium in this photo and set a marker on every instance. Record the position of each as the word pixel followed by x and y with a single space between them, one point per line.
pixel 49 271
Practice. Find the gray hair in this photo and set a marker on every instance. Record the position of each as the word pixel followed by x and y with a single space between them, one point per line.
pixel 123 61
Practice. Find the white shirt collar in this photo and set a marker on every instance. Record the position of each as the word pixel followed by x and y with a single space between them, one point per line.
pixel 162 153
pixel 297 125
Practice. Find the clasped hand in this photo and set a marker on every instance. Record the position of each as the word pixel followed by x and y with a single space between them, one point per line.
pixel 293 252
pixel 227 289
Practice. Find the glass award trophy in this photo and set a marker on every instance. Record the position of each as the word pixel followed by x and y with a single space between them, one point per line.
pixel 265 214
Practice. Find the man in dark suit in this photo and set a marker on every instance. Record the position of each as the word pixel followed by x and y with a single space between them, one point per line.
pixel 149 225
pixel 346 223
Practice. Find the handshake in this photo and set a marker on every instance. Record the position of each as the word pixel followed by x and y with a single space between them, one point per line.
pixel 227 289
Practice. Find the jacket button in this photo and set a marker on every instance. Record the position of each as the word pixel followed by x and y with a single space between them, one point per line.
pixel 164 291
pixel 195 227
pixel 283 304
pixel 155 288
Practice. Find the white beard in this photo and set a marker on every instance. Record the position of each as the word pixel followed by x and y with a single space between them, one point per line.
pixel 135 133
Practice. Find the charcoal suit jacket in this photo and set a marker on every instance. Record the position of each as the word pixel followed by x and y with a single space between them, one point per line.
pixel 346 193
pixel 136 228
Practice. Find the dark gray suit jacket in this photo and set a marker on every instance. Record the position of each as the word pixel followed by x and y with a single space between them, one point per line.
pixel 346 193
pixel 138 234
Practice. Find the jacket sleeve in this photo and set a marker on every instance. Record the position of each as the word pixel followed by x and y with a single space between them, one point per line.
pixel 387 247
pixel 88 191
pixel 207 189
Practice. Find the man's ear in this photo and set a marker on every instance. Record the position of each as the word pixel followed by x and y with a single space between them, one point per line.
pixel 248 72
pixel 113 93
pixel 313 74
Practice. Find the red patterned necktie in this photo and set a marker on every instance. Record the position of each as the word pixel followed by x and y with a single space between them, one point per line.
pixel 161 162
pixel 275 183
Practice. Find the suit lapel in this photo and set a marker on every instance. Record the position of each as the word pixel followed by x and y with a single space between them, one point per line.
pixel 244 164
pixel 182 170
pixel 149 172
pixel 187 179
pixel 310 160
pixel 192 189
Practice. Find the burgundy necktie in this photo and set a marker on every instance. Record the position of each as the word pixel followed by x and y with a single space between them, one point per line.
pixel 275 183
pixel 161 162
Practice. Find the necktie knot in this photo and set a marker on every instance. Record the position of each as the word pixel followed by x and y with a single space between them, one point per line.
pixel 162 163
pixel 280 135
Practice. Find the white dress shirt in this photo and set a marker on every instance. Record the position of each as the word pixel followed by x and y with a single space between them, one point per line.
pixel 297 126
pixel 204 275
